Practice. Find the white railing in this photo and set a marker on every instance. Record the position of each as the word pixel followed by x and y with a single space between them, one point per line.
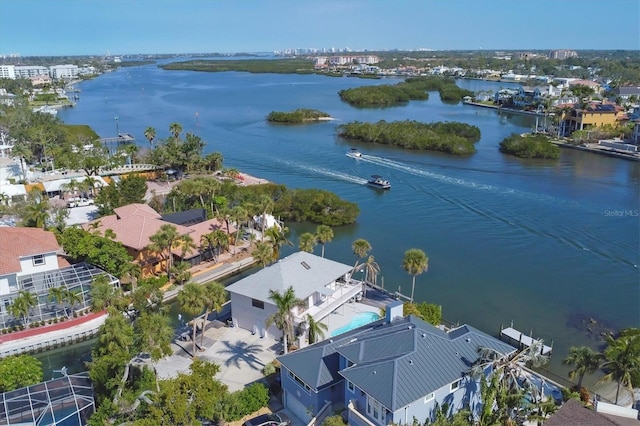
pixel 333 302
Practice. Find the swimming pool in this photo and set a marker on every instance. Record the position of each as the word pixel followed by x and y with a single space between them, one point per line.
pixel 358 321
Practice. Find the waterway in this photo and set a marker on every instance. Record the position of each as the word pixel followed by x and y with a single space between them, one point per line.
pixel 546 244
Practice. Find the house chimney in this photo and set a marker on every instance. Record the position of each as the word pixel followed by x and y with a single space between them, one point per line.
pixel 393 311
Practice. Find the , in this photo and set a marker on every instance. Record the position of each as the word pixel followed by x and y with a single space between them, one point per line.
pixel 270 419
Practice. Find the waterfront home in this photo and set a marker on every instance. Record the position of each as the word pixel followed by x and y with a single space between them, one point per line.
pixel 595 114
pixel 134 224
pixel 323 284
pixel 30 261
pixel 625 92
pixel 398 370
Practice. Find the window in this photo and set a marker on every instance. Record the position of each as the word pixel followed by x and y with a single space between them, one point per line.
pixel 350 386
pixel 374 409
pixel 38 259
pixel 257 303
pixel 455 385
pixel 429 397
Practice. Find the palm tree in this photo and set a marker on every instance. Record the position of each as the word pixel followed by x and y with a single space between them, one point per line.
pixel 315 329
pixel 57 294
pixel 180 272
pixel 23 152
pixel 283 318
pixel 371 271
pixel 239 215
pixel 115 335
pixel 360 248
pixel 150 134
pixel 153 334
pixel 220 241
pixel 278 238
pixel 164 241
pixel 263 253
pixel 191 302
pixel 22 305
pixel 175 129
pixel 207 242
pixel 584 359
pixel 622 359
pixel 72 298
pixel 324 234
pixel 415 262
pixel 187 245
pixel 214 297
pixel 307 242
pixel 35 215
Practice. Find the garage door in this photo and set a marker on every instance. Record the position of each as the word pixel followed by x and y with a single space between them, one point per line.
pixel 297 407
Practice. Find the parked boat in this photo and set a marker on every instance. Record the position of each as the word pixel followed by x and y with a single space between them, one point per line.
pixel 354 153
pixel 376 181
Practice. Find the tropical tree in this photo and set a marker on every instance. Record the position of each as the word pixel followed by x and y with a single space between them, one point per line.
pixel 57 294
pixel 307 242
pixel 622 360
pixel 507 382
pixel 101 293
pixel 315 329
pixel 263 253
pixel 72 298
pixel 19 371
pixel 23 152
pixel 187 245
pixel 283 317
pixel 115 335
pixel 239 215
pixel 181 273
pixel 584 360
pixel 163 241
pixel 360 248
pixel 35 215
pixel 278 238
pixel 414 263
pixel 175 129
pixel 214 296
pixel 153 334
pixel 150 134
pixel 22 304
pixel 324 234
pixel 371 271
pixel 191 302
pixel 221 241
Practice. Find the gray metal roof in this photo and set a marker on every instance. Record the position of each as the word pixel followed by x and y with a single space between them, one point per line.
pixel 395 363
pixel 305 272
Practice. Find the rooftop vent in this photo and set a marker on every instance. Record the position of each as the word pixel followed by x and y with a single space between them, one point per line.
pixel 410 361
pixel 468 339
pixel 305 265
pixel 424 335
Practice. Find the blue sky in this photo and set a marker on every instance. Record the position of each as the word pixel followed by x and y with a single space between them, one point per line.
pixel 78 27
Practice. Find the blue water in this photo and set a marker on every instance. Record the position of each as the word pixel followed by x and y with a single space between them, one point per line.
pixel 536 242
pixel 361 319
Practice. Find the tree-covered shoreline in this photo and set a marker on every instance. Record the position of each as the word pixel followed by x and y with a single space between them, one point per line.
pixel 529 146
pixel 450 137
pixel 277 66
pixel 411 89
pixel 301 115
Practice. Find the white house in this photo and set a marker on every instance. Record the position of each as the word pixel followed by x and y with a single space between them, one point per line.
pixel 323 284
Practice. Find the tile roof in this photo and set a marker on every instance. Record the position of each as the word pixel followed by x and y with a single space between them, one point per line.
pixel 133 225
pixel 21 242
pixel 396 363
pixel 573 413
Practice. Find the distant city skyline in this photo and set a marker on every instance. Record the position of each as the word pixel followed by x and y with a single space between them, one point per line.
pixel 119 27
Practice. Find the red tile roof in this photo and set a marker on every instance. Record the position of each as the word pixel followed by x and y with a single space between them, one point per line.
pixel 21 242
pixel 136 209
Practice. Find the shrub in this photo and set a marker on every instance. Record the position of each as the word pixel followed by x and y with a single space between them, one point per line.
pixel 333 421
pixel 584 395
pixel 269 369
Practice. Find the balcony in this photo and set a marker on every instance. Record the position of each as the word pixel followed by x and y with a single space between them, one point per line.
pixel 341 295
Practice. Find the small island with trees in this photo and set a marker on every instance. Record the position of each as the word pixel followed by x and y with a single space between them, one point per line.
pixel 529 146
pixel 299 116
pixel 450 137
pixel 412 89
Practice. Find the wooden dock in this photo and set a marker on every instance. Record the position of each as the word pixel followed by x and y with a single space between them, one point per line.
pixel 523 340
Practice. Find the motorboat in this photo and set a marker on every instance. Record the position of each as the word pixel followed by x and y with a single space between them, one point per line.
pixel 376 181
pixel 354 153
